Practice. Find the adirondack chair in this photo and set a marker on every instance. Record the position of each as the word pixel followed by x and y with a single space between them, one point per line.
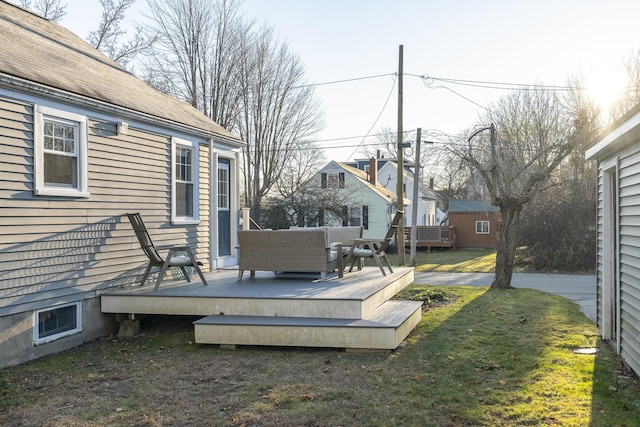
pixel 375 248
pixel 173 258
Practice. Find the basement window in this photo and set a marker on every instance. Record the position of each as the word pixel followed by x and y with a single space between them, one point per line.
pixel 53 323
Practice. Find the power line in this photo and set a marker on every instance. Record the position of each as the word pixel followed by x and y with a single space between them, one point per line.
pixel 377 118
pixel 497 85
pixel 345 80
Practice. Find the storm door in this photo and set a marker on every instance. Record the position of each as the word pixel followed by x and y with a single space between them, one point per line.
pixel 224 211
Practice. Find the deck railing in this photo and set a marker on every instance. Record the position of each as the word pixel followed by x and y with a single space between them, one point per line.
pixel 432 236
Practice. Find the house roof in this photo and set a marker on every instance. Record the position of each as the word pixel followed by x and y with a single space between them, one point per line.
pixel 362 177
pixel 409 174
pixel 624 132
pixel 471 206
pixel 40 56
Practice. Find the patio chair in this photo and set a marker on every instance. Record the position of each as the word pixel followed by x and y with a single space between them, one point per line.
pixel 375 248
pixel 173 258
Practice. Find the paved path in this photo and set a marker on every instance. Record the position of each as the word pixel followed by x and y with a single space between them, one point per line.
pixel 580 288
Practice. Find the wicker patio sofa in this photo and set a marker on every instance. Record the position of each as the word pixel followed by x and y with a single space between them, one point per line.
pixel 296 250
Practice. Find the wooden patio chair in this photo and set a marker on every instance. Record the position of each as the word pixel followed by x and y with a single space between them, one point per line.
pixel 173 258
pixel 375 248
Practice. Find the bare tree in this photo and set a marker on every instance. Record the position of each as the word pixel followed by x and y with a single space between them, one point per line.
pixel 184 39
pixel 278 111
pixel 305 161
pixel 558 226
pixel 529 137
pixel 107 38
pixel 631 95
pixel 197 56
pixel 224 93
pixel 385 142
pixel 53 10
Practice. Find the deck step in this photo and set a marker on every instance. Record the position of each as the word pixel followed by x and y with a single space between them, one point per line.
pixel 383 328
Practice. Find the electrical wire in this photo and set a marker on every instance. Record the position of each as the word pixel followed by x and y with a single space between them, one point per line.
pixel 377 118
pixel 427 81
pixel 344 81
pixel 497 85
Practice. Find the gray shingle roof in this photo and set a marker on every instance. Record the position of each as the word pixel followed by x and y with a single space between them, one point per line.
pixel 471 206
pixel 44 53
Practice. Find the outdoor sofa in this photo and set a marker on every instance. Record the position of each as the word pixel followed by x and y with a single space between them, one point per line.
pixel 295 250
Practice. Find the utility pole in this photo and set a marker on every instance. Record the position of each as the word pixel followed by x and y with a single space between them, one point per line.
pixel 400 186
pixel 414 202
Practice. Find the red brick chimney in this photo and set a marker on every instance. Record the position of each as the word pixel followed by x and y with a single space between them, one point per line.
pixel 373 171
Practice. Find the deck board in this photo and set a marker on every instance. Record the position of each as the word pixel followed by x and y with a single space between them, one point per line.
pixel 354 311
pixel 352 296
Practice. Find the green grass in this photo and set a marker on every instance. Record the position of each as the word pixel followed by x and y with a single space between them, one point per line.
pixel 478 357
pixel 451 260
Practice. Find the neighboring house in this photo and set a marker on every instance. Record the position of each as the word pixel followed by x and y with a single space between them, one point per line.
pixel 476 222
pixel 82 142
pixel 427 202
pixel 617 154
pixel 365 202
pixel 363 164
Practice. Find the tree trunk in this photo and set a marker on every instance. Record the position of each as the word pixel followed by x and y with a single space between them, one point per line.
pixel 506 250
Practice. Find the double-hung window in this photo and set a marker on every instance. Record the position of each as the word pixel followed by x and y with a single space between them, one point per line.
pixel 60 155
pixel 184 182
pixel 332 180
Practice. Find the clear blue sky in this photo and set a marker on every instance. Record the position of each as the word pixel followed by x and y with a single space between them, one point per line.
pixel 542 41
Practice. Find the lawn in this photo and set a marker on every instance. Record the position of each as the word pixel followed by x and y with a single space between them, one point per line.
pixel 478 357
pixel 450 260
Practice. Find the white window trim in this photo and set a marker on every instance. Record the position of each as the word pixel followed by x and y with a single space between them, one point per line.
pixel 195 219
pixel 36 333
pixel 40 189
pixel 610 275
pixel 488 227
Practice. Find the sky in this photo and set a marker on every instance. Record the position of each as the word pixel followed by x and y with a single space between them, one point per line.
pixel 500 41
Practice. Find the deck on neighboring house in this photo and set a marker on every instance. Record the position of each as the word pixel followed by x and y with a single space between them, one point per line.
pixel 353 312
pixel 431 237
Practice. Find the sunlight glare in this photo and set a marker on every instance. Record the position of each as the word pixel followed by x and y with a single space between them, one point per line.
pixel 605 85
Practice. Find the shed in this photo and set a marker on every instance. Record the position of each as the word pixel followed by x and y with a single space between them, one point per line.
pixel 477 223
pixel 617 153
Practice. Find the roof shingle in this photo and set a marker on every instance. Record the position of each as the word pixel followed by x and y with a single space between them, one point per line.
pixel 39 51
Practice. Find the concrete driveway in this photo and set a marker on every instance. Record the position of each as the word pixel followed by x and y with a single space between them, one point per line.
pixel 580 288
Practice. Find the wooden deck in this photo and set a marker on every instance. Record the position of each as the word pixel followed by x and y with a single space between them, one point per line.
pixel 283 310
pixel 432 237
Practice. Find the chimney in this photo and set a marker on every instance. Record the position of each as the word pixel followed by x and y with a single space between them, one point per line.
pixel 373 171
pixel 379 154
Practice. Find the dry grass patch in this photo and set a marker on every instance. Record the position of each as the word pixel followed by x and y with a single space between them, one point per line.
pixel 478 357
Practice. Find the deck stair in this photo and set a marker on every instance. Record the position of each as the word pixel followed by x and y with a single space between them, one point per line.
pixel 354 312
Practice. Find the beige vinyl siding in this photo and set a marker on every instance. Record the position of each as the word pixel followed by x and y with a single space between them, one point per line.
pixel 58 249
pixel 203 243
pixel 629 241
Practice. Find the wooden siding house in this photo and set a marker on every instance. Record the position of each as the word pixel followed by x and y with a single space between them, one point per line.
pixel 617 153
pixel 476 223
pixel 366 202
pixel 427 201
pixel 82 142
